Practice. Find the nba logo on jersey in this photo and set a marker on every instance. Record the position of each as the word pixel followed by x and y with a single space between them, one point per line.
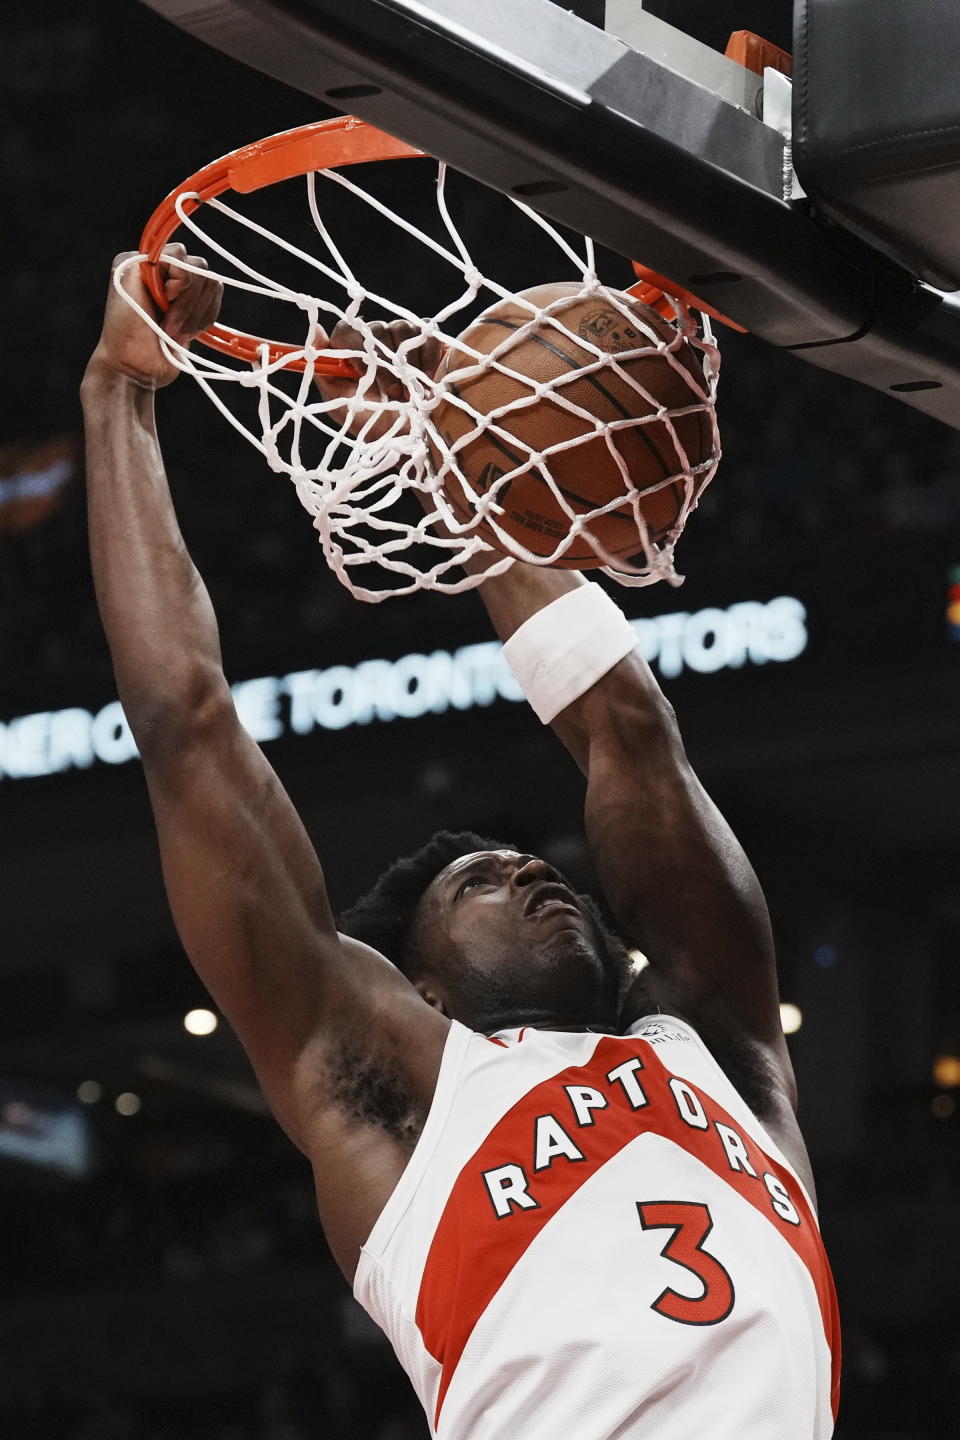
pixel 660 1034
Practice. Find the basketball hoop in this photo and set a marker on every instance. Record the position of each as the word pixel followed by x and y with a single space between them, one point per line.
pixel 353 475
pixel 326 145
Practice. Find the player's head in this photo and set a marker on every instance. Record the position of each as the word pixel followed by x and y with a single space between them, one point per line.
pixel 492 936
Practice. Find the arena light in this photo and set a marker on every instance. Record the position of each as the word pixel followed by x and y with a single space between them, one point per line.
pixel 89 1092
pixel 946 1071
pixel 944 1107
pixel 127 1103
pixel 791 1018
pixel 953 604
pixel 200 1022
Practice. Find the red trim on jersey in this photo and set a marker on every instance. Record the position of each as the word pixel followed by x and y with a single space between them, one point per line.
pixel 473 1250
pixel 495 1039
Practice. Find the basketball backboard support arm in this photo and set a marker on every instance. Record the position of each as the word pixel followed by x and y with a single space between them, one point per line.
pixel 685 56
pixel 612 141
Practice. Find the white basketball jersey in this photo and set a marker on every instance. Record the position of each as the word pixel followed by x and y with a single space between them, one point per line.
pixel 595 1239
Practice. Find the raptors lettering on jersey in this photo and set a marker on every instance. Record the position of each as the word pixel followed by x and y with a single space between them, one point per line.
pixel 596 1236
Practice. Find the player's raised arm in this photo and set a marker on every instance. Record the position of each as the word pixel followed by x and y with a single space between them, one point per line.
pixel 244 883
pixel 677 881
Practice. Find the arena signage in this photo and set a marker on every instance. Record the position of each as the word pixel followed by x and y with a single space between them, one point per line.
pixel 705 641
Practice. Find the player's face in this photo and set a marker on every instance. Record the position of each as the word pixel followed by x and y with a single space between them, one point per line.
pixel 506 941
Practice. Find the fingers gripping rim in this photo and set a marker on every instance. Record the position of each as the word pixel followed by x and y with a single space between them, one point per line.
pixel 326 145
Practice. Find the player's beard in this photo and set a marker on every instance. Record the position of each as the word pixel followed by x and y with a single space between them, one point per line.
pixel 565 979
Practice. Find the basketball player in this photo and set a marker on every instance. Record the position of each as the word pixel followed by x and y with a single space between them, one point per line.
pixel 576 1200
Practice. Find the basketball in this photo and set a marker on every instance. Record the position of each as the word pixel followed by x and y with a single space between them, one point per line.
pixel 588 474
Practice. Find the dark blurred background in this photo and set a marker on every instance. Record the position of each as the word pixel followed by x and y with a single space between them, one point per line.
pixel 163 1273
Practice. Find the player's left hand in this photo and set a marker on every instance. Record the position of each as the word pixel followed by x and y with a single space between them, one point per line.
pixel 128 346
pixel 385 386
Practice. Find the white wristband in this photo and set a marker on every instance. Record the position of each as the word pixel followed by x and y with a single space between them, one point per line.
pixel 568 646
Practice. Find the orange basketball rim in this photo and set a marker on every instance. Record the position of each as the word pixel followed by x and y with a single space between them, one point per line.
pixel 325 145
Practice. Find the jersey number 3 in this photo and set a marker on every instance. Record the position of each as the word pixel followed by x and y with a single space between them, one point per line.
pixel 690 1225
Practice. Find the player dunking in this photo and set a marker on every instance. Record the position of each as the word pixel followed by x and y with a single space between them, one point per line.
pixel 577 1201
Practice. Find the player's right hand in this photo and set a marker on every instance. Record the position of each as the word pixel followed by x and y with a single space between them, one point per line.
pixel 128 346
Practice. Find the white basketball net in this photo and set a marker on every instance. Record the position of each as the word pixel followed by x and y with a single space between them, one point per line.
pixel 355 484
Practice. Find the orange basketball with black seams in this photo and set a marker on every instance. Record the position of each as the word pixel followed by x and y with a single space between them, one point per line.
pixel 587 474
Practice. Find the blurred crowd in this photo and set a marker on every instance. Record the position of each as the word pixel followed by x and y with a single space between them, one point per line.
pixel 299 1409
pixel 120 1233
pixel 151 1273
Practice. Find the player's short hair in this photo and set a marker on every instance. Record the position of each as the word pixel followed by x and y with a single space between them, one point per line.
pixel 384 917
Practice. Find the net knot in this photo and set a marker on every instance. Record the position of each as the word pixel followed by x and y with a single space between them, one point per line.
pixel 306 303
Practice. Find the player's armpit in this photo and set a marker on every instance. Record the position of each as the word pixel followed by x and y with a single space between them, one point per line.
pixel 249 900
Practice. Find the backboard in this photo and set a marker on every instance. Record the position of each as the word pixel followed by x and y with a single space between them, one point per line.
pixel 655 145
